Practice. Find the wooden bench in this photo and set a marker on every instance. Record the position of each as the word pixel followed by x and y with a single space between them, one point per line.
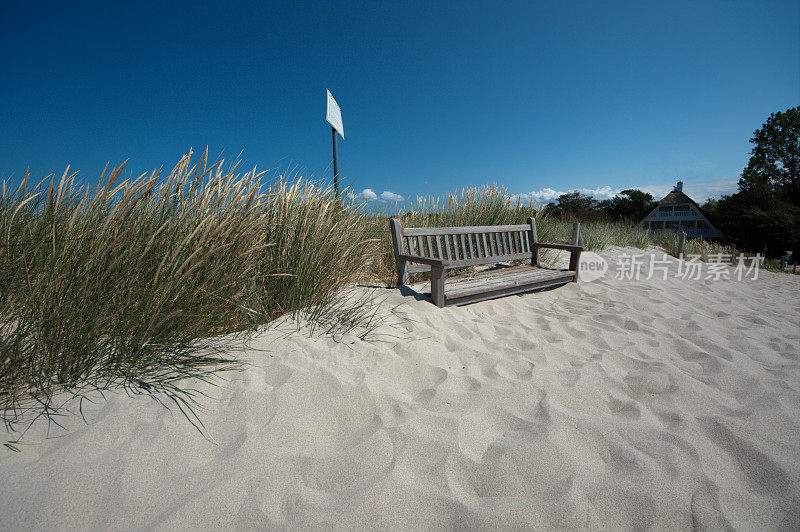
pixel 417 249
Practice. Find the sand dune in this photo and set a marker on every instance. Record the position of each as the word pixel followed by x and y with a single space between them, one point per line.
pixel 652 403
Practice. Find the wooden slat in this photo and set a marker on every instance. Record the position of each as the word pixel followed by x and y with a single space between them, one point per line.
pixel 462 263
pixel 422 260
pixel 430 247
pixel 506 274
pixel 507 270
pixel 447 248
pixel 482 296
pixel 462 291
pixel 491 284
pixel 469 241
pixel 439 246
pixel 502 270
pixel 567 247
pixel 527 243
pixel 486 253
pixel 425 231
pixel 486 260
pixel 463 247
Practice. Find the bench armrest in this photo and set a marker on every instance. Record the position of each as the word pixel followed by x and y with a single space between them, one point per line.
pixel 567 247
pixel 422 260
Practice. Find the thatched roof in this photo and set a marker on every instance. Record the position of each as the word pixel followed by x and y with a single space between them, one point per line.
pixel 676 197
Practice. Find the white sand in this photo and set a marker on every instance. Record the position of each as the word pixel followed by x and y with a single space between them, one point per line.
pixel 664 404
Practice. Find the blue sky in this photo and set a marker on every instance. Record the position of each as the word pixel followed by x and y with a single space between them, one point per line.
pixel 541 97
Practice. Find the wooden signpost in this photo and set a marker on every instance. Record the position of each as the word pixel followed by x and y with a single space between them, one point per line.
pixel 334 118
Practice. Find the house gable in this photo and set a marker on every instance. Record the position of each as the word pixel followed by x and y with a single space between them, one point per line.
pixel 678 212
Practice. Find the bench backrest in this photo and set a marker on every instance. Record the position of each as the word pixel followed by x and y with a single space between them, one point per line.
pixel 465 246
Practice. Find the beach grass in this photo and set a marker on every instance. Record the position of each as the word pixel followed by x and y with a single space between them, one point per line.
pixel 698 248
pixel 141 282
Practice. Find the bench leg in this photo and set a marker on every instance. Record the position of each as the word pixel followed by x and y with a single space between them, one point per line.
pixel 574 263
pixel 437 286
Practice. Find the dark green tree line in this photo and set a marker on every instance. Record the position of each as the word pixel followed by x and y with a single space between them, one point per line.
pixel 766 208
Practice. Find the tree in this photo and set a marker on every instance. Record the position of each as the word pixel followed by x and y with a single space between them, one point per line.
pixel 774 166
pixel 629 205
pixel 577 205
pixel 766 208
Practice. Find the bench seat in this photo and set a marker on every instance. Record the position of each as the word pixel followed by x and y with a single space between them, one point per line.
pixel 436 249
pixel 502 282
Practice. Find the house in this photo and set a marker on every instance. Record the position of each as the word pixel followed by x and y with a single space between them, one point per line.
pixel 678 212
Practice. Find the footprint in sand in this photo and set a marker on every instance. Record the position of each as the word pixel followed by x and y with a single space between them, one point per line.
pixel 521 345
pixel 515 369
pixel 352 468
pixel 710 365
pixel 650 382
pixel 460 384
pixel 463 332
pixel 625 409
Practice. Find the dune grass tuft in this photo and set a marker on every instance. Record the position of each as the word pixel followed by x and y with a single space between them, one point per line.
pixel 132 282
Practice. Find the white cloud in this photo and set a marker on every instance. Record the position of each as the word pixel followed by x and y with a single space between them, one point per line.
pixel 369 195
pixel 391 196
pixel 697 190
pixel 546 195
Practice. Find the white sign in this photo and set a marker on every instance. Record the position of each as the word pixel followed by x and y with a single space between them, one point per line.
pixel 334 117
